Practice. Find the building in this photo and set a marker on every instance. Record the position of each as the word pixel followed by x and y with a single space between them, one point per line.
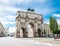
pixel 3 31
pixel 6 32
pixel 47 31
pixel 29 24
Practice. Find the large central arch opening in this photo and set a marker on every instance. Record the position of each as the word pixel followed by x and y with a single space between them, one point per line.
pixel 30 30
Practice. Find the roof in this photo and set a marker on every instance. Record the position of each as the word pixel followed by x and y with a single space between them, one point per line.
pixel 1 26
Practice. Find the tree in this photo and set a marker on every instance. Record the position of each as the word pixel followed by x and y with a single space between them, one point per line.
pixel 53 25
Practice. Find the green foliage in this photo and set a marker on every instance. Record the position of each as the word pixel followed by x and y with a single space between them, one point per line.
pixel 57 32
pixel 53 25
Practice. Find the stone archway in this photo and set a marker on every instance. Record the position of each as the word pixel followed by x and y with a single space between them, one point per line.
pixel 39 32
pixel 30 30
pixel 24 32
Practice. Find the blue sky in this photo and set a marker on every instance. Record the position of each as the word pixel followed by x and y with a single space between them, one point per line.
pixel 8 9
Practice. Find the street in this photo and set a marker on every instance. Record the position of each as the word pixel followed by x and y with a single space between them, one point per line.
pixel 11 41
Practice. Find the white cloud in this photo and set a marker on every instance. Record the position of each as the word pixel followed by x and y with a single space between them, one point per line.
pixel 10 17
pixel 22 1
pixel 28 1
pixel 6 22
pixel 6 18
pixel 4 8
pixel 5 14
pixel 46 21
pixel 4 1
pixel 10 2
pixel 12 29
pixel 58 20
pixel 44 10
pixel 42 1
pixel 2 19
pixel 56 15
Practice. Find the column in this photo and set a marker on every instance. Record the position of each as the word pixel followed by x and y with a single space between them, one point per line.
pixel 18 30
pixel 35 30
pixel 27 29
pixel 42 30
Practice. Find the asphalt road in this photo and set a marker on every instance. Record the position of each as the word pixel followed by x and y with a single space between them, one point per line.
pixel 10 41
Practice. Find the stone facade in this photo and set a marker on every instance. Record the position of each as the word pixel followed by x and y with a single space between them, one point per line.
pixel 48 32
pixel 29 24
pixel 6 32
pixel 3 31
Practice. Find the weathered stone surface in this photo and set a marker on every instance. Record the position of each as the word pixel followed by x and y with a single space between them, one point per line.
pixel 28 24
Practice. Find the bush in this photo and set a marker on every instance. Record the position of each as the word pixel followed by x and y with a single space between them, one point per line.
pixel 56 32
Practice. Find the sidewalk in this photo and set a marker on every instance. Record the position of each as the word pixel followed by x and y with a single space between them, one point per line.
pixel 45 40
pixel 49 40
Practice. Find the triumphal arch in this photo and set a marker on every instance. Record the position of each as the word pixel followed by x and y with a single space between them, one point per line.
pixel 29 24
